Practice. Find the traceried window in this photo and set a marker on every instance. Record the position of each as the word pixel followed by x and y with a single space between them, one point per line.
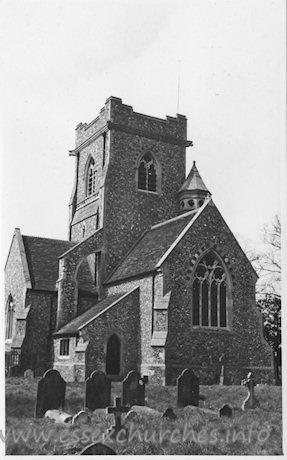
pixel 209 293
pixel 147 174
pixel 91 178
pixel 9 317
pixel 64 347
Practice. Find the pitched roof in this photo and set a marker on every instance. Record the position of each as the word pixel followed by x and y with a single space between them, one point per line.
pixel 79 322
pixel 42 257
pixel 193 181
pixel 153 244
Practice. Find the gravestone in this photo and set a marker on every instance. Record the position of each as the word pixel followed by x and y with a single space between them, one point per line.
pixel 117 410
pixel 15 371
pixel 251 402
pixel 29 374
pixel 169 414
pixel 187 389
pixel 132 416
pixel 81 418
pixel 59 416
pixel 145 410
pixel 98 449
pixel 50 393
pixel 225 411
pixel 133 389
pixel 98 391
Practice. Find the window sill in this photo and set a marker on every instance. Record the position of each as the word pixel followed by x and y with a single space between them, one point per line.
pixel 63 357
pixel 148 191
pixel 220 330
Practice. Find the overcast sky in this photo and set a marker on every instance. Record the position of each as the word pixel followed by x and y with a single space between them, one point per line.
pixel 62 59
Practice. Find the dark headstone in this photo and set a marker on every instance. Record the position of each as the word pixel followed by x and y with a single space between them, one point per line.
pixel 15 371
pixel 225 411
pixel 51 393
pixel 98 391
pixel 98 449
pixel 169 414
pixel 133 389
pixel 187 389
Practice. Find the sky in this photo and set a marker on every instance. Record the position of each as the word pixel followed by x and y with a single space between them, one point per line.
pixel 220 63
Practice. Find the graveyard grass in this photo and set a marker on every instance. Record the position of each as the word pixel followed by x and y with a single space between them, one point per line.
pixel 254 432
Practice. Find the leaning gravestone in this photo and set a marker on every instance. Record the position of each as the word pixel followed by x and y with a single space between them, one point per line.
pixel 98 391
pixel 133 389
pixel 51 393
pixel 187 389
pixel 98 449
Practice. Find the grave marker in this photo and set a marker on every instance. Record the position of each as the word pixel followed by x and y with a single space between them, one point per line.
pixel 169 414
pixel 98 391
pixel 225 411
pixel 29 374
pixel 134 389
pixel 251 402
pixel 187 389
pixel 50 393
pixel 98 449
pixel 117 410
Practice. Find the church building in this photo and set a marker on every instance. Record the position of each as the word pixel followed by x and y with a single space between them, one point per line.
pixel 151 277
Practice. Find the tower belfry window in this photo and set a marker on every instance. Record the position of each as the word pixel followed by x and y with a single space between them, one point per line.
pixel 147 174
pixel 91 178
pixel 209 293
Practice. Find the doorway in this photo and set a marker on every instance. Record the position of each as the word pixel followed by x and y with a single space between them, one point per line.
pixel 113 357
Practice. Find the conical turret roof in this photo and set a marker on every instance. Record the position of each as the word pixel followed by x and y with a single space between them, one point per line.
pixel 193 181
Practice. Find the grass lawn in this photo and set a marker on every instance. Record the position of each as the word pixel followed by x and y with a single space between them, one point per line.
pixel 254 432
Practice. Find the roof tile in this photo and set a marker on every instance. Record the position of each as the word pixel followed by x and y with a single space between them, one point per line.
pixel 42 257
pixel 150 248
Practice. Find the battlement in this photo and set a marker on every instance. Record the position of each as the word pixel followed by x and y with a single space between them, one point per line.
pixel 122 117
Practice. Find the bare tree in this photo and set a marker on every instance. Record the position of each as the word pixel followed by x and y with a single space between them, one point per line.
pixel 268 263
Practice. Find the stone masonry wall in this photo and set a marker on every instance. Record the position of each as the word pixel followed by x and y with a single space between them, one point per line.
pixel 37 349
pixel 67 286
pixel 124 211
pixel 15 283
pixel 150 360
pixel 123 320
pixel 129 211
pixel 242 343
pixel 71 367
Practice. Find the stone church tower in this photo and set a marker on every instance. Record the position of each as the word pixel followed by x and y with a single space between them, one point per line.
pixel 129 169
pixel 151 277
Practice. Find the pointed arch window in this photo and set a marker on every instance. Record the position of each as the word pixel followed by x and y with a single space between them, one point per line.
pixel 210 293
pixel 147 174
pixel 91 178
pixel 9 317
